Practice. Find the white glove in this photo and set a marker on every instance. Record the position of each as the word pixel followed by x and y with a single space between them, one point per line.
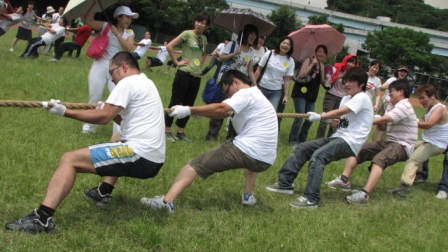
pixel 57 108
pixel 313 117
pixel 180 111
pixel 327 120
pixel 377 116
pixel 100 105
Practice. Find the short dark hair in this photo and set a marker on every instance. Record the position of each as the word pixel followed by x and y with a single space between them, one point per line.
pixel 375 62
pixel 428 89
pixel 244 33
pixel 401 85
pixel 64 20
pixel 228 76
pixel 324 47
pixel 291 42
pixel 125 57
pixel 203 16
pixel 356 74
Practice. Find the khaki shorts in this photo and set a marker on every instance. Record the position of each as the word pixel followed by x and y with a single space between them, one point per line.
pixel 382 153
pixel 224 158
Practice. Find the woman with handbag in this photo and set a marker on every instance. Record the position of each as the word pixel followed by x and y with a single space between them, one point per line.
pixel 275 70
pixel 305 91
pixel 236 55
pixel 120 38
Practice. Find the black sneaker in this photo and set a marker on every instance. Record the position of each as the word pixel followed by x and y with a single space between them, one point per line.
pixel 32 224
pixel 183 137
pixel 101 201
pixel 420 178
pixel 402 190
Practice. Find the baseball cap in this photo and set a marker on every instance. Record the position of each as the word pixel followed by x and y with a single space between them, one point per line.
pixel 124 10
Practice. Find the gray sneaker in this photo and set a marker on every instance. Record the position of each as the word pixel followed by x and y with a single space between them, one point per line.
pixel 169 137
pixel 419 179
pixel 442 195
pixel 32 224
pixel 337 183
pixel 157 203
pixel 278 189
pixel 358 198
pixel 303 202
pixel 248 199
pixel 101 201
pixel 402 191
pixel 183 137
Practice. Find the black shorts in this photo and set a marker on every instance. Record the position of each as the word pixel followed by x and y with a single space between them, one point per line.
pixel 155 61
pixel 24 34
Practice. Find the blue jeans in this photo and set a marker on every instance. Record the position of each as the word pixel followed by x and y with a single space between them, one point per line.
pixel 299 132
pixel 443 185
pixel 319 152
pixel 274 96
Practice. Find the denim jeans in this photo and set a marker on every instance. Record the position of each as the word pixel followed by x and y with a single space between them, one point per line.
pixel 274 96
pixel 319 152
pixel 443 185
pixel 299 132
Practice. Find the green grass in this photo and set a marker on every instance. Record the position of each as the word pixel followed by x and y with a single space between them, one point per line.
pixel 209 215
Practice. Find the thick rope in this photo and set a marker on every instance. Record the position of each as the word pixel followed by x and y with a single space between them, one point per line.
pixel 38 104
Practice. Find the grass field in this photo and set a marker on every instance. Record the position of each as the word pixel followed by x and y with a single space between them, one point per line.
pixel 209 215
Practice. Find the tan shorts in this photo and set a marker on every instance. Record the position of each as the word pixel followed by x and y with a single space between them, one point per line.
pixel 224 158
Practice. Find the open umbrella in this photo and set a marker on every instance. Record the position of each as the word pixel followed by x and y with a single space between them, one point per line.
pixel 310 36
pixel 234 19
pixel 78 8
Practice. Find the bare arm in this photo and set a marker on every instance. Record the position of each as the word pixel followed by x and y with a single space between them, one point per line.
pixel 214 110
pixel 337 113
pixel 307 65
pixel 171 52
pixel 96 116
pixel 286 81
pixel 377 99
pixel 94 24
pixel 433 119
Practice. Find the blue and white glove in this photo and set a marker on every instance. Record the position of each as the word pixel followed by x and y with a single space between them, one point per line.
pixel 313 117
pixel 180 111
pixel 56 107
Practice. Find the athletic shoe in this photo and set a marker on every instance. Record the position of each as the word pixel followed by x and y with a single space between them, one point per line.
pixel 358 198
pixel 337 183
pixel 169 137
pixel 248 199
pixel 157 203
pixel 402 190
pixel 278 189
pixel 11 49
pixel 88 128
pixel 420 178
pixel 303 202
pixel 53 60
pixel 442 195
pixel 32 224
pixel 183 137
pixel 94 194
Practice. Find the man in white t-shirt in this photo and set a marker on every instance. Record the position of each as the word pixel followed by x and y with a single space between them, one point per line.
pixel 354 119
pixel 254 148
pixel 54 32
pixel 136 105
pixel 142 46
pixel 215 57
pixel 161 56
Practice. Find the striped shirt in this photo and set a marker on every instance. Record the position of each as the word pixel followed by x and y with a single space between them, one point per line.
pixel 404 126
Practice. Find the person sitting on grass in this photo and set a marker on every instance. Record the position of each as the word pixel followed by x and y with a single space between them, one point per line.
pixel 434 138
pixel 254 148
pixel 353 127
pixel 135 104
pixel 401 126
pixel 54 32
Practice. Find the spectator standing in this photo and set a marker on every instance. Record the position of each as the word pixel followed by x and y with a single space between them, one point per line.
pixel 24 32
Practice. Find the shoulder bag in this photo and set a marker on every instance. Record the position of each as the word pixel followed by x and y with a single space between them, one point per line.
pixel 305 79
pixel 98 45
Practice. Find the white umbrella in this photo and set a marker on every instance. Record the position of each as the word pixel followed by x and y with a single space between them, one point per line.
pixel 234 19
pixel 78 8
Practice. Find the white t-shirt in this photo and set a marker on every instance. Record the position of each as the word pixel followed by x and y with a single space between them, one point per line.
pixel 5 24
pixel 438 133
pixel 372 85
pixel 278 67
pixel 220 48
pixel 56 17
pixel 240 61
pixel 255 121
pixel 113 46
pixel 259 53
pixel 141 50
pixel 386 96
pixel 162 54
pixel 355 126
pixel 143 121
pixel 49 37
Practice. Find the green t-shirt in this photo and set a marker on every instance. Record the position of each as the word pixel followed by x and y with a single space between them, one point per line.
pixel 192 51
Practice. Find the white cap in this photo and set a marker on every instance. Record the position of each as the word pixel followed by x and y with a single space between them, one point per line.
pixel 124 10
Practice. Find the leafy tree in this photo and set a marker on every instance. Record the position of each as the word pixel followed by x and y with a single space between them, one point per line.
pixel 286 20
pixel 395 46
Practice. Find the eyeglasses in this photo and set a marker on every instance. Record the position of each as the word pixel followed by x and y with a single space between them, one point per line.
pixel 200 42
pixel 111 71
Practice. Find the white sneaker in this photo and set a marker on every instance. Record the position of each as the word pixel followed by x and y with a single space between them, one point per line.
pixel 88 128
pixel 157 203
pixel 11 49
pixel 248 199
pixel 442 195
pixel 53 60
